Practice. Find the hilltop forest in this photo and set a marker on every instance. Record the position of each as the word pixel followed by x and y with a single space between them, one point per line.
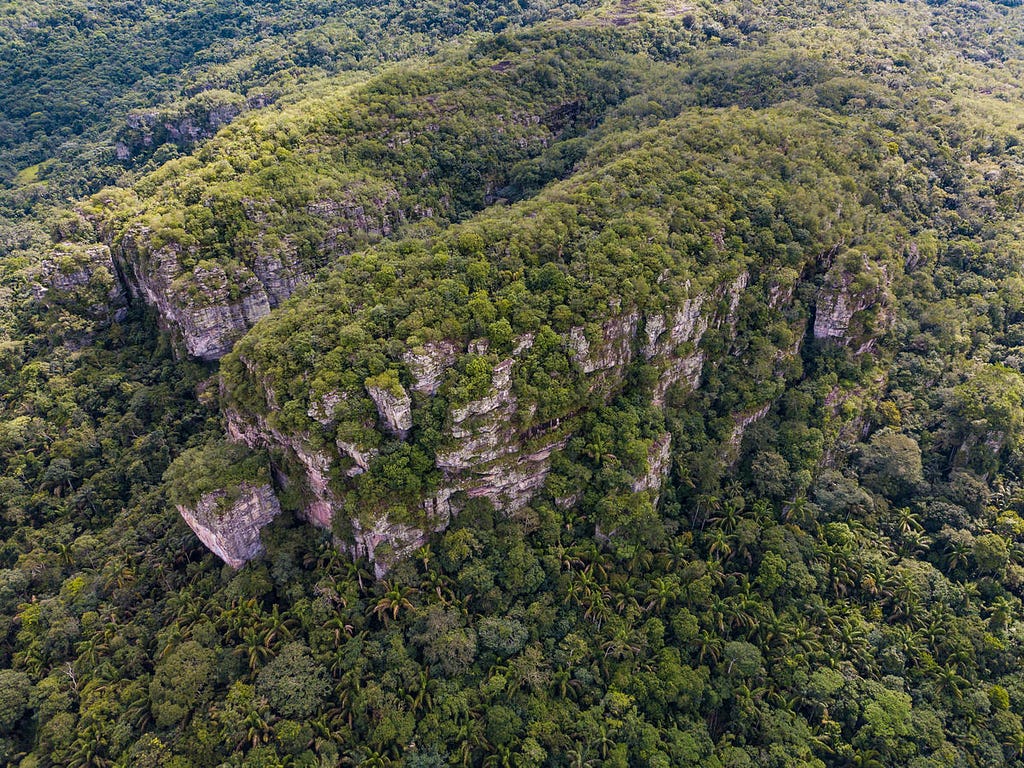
pixel 602 383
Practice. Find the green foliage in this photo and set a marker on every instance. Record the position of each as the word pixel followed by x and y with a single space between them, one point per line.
pixel 14 699
pixel 293 683
pixel 838 582
pixel 218 465
pixel 182 680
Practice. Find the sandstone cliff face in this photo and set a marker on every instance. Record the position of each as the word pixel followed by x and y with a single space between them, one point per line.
pixel 492 446
pixel 210 309
pixel 81 279
pixel 210 304
pixel 188 124
pixel 316 466
pixel 72 266
pixel 611 351
pixel 659 461
pixel 853 308
pixel 231 529
pixel 395 409
pixel 428 363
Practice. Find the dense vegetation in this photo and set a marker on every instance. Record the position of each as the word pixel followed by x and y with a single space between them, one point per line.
pixel 841 587
pixel 92 88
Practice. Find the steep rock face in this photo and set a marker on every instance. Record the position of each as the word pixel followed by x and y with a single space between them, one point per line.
pixel 428 363
pixel 492 446
pixel 198 119
pixel 482 429
pixel 395 408
pixel 744 420
pixel 211 310
pixel 319 508
pixel 83 275
pixel 659 457
pixel 511 485
pixel 77 287
pixel 230 528
pixel 280 273
pixel 853 306
pixel 612 350
pixel 671 340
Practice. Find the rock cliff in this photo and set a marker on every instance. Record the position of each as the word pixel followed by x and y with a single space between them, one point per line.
pixel 209 311
pixel 421 377
pixel 82 280
pixel 493 445
pixel 213 255
pixel 229 525
pixel 853 307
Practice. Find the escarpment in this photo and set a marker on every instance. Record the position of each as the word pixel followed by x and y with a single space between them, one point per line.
pixel 215 244
pixel 497 446
pixel 425 375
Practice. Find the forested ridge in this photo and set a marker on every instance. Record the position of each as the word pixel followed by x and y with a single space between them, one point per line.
pixel 785 532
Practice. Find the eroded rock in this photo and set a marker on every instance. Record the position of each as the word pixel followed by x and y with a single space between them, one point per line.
pixel 230 524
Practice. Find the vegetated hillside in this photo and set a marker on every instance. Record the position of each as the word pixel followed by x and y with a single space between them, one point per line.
pixel 763 317
pixel 510 330
pixel 92 88
pixel 217 239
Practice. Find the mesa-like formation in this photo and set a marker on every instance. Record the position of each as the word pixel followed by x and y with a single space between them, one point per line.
pixel 215 244
pixel 419 376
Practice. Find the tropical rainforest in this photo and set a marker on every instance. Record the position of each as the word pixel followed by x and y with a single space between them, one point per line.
pixel 604 383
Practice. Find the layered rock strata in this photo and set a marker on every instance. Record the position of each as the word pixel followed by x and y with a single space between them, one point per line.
pixel 492 446
pixel 230 524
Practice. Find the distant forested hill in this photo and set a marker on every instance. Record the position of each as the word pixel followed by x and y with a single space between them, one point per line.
pixel 72 72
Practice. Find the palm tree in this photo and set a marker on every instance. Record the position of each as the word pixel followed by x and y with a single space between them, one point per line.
pixel 957 554
pixel 420 695
pixel 663 592
pixel 623 643
pixel 257 729
pixel 1001 609
pixel 710 645
pixel 395 598
pixel 602 741
pixel 435 581
pixel 502 757
pixel 867 758
pixel 276 627
pixel 253 649
pixel 338 629
pixel 719 545
pixel 947 680
pixel 579 757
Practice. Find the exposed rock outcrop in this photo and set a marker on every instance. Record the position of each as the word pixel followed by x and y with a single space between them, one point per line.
pixel 183 125
pixel 659 457
pixel 395 408
pixel 255 433
pixel 492 447
pixel 81 274
pixel 672 340
pixel 482 429
pixel 79 281
pixel 853 307
pixel 612 350
pixel 744 420
pixel 428 363
pixel 210 309
pixel 230 525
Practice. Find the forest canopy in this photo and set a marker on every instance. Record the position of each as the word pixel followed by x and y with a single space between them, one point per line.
pixel 805 549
